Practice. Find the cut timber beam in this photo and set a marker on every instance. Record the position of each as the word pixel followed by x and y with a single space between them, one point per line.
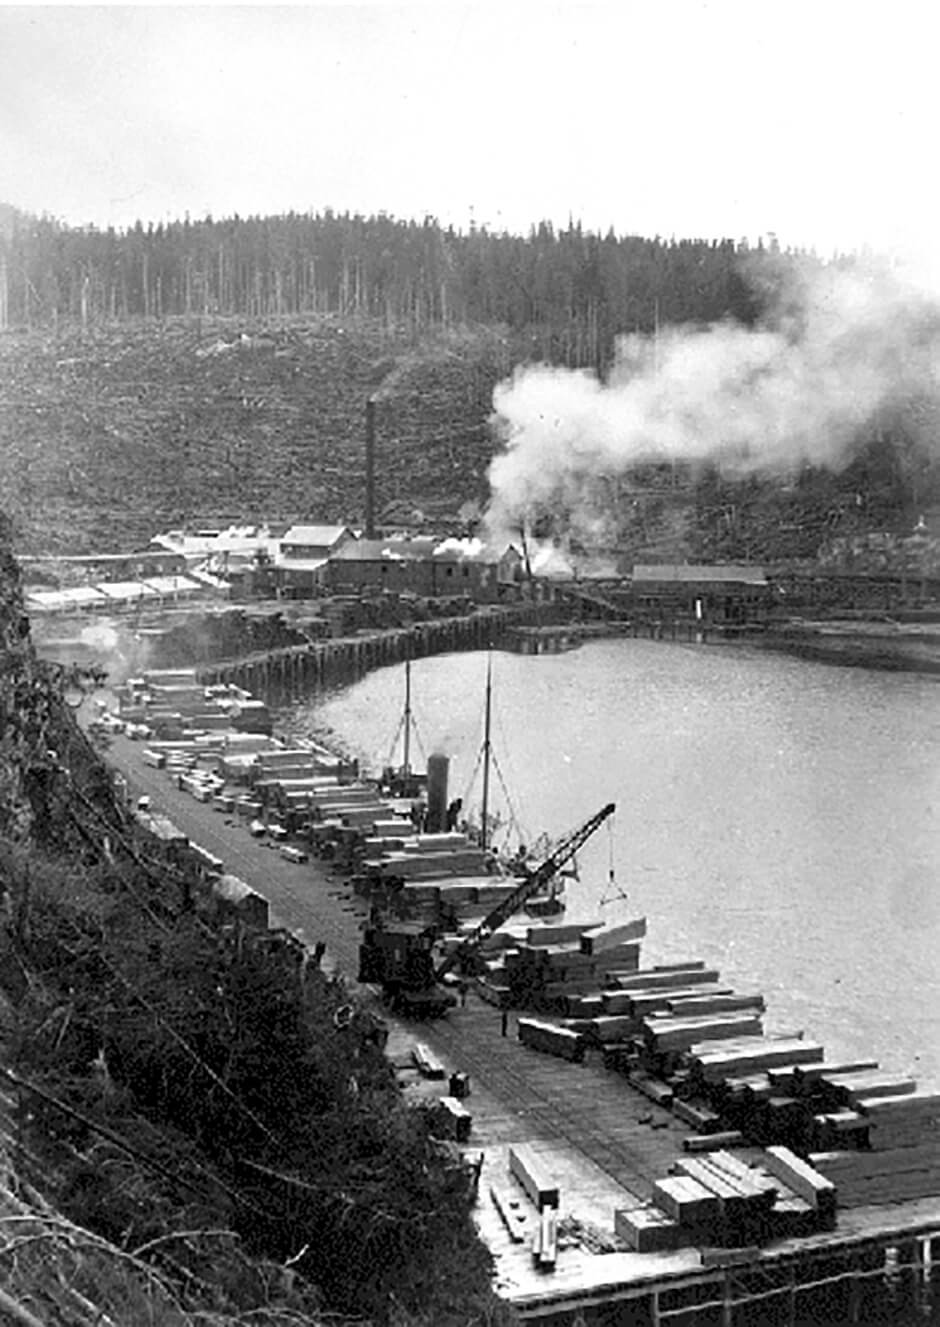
pixel 530 1171
pixel 646 1230
pixel 596 942
pixel 806 1182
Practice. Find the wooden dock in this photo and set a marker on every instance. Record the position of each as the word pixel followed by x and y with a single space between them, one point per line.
pixel 604 1141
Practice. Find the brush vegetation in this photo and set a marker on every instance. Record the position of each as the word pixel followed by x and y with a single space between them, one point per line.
pixel 195 1108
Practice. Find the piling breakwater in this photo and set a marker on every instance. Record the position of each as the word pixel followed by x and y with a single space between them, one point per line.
pixel 290 671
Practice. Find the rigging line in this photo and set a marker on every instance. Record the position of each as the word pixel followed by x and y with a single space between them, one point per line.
pixel 513 818
pixel 391 752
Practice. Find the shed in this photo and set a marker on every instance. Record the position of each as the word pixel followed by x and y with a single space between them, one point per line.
pixel 427 567
pixel 714 592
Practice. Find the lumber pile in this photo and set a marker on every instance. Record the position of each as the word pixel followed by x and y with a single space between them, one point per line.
pixel 600 940
pixel 551 1039
pixel 529 1169
pixel 452 1120
pixel 646 1229
pixel 872 1179
pixel 426 1062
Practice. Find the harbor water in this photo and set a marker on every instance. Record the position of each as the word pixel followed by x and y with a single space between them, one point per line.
pixel 776 818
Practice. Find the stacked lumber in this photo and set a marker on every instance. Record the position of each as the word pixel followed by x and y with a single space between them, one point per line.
pixel 529 1169
pixel 613 1027
pixel 905 1120
pixel 715 1063
pixel 838 1130
pixel 551 1039
pixel 555 970
pixel 872 1179
pixel 427 1063
pixel 743 1204
pixel 804 1181
pixel 689 1203
pixel 452 1120
pixel 560 933
pixel 680 1034
pixel 597 941
pixel 847 1089
pixel 646 1229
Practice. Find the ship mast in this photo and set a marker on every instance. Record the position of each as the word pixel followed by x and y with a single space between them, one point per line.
pixel 486 751
pixel 406 752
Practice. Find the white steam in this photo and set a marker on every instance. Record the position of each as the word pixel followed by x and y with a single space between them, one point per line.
pixel 840 347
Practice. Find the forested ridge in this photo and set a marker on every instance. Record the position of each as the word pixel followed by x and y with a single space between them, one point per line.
pixel 585 287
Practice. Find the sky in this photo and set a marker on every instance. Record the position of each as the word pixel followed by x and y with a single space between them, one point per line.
pixel 813 121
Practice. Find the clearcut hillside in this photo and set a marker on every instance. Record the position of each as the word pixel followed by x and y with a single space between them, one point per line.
pixel 112 433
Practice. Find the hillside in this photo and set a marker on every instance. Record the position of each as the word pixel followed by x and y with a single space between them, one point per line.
pixel 110 435
pixel 193 1127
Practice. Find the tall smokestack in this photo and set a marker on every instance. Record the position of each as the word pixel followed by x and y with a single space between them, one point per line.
pixel 370 468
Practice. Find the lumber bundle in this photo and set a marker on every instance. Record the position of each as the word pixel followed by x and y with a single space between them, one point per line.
pixel 689 974
pixel 872 1179
pixel 652 1087
pixel 720 1000
pixel 545 1240
pixel 838 1129
pixel 802 1179
pixel 561 933
pixel 452 1120
pixel 646 1229
pixel 807 1076
pixel 754 1055
pixel 530 1171
pixel 551 1039
pixel 847 1089
pixel 427 1063
pixel 679 1034
pixel 613 1027
pixel 594 941
pixel 712 1142
pixel 701 1117
pixel 645 1000
pixel 906 1120
pixel 685 1200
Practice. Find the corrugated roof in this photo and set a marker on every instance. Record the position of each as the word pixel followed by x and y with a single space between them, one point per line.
pixel 319 536
pixel 680 573
pixel 76 595
pixel 172 584
pixel 127 590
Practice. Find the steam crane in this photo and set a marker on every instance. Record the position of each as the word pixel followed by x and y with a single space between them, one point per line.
pixel 400 958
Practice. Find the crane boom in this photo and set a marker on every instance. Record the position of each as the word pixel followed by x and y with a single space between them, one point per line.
pixel 560 855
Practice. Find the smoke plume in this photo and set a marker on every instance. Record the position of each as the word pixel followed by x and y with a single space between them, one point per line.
pixel 837 347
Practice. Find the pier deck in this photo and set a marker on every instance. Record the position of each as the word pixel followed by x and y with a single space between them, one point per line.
pixel 603 1141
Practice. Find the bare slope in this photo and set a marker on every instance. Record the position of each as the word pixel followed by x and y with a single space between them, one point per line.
pixel 110 434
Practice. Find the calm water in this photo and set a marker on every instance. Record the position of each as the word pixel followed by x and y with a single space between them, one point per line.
pixel 776 818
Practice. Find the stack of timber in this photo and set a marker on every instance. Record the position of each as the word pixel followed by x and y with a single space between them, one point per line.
pixel 529 1170
pixel 726 1200
pixel 872 1179
pixel 553 1040
pixel 555 963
